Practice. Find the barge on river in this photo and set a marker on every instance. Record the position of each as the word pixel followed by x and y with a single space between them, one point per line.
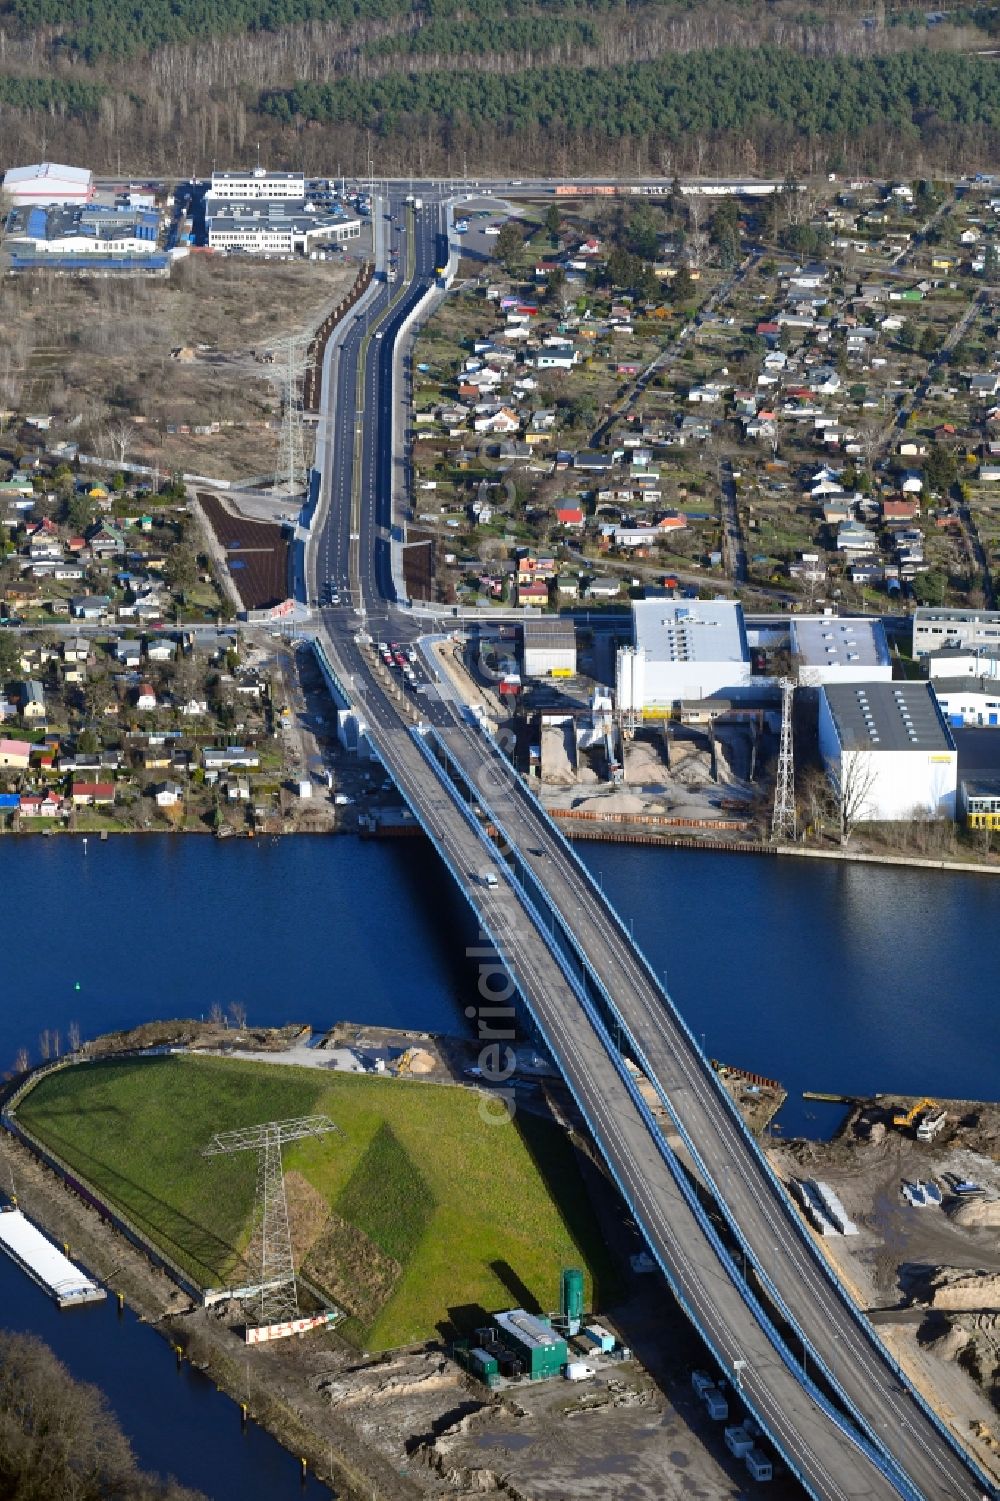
pixel 44 1262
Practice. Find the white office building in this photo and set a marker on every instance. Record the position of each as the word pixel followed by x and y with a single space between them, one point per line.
pixel 48 183
pixel 969 701
pixel 831 650
pixel 280 227
pixel 888 750
pixel 936 628
pixel 681 650
pixel 246 187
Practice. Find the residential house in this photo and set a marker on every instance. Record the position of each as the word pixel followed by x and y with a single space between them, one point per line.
pixel 90 606
pixel 106 540
pixel 532 592
pixel 128 650
pixel 985 386
pixel 145 697
pixel 603 588
pixel 571 516
pixel 592 462
pixel 563 358
pixel 92 794
pixel 230 756
pixel 568 586
pixel 168 795
pixel 76 649
pixel 40 805
pixel 903 508
pixel 32 700
pixel 15 754
pixel 161 650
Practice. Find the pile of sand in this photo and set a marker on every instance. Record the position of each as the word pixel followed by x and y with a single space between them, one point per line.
pixel 420 1061
pixel 955 1290
pixel 611 802
pixel 977 1214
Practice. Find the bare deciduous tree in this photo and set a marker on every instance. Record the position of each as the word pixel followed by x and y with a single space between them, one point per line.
pixel 852 786
pixel 120 437
pixel 238 1014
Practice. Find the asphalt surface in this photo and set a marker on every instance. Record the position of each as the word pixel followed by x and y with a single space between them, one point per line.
pixel 350 553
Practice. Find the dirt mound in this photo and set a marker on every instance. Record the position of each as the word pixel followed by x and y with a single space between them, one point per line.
pixel 977 1214
pixel 419 1061
pixel 613 802
pixel 953 1289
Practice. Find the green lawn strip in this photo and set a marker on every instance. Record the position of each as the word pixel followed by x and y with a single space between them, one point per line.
pixel 477 1216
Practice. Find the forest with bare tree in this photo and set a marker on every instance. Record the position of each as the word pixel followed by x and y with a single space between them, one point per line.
pixel 558 86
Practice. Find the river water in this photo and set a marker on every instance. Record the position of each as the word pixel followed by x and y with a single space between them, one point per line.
pixel 824 975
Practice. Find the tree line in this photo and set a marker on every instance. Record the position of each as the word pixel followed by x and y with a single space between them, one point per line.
pixel 97 29
pixel 59 1440
pixel 725 89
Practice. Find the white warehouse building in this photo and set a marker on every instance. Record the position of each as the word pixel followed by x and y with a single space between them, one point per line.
pixel 888 750
pixel 681 650
pixel 549 647
pixel 969 701
pixel 830 650
pixel 46 183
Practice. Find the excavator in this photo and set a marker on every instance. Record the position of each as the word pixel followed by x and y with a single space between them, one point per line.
pixel 909 1118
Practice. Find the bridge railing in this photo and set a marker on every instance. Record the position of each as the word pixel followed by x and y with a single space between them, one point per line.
pixel 885 1466
pixel 726 1103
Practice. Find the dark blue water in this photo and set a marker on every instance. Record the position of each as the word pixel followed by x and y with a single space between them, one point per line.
pixel 179 1424
pixel 310 930
pixel 827 976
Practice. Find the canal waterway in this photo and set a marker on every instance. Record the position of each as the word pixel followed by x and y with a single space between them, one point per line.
pixel 826 976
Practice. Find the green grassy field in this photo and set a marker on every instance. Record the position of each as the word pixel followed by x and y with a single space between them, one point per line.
pixel 416 1216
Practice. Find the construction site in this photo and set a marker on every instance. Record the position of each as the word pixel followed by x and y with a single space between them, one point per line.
pixel 905 1202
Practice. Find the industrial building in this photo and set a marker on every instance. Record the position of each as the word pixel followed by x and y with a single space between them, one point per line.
pixel 936 628
pixel 549 648
pixel 969 701
pixel 48 183
pixel 980 802
pixel 542 1352
pixel 829 650
pixel 268 213
pixel 88 230
pixel 681 650
pixel 888 750
pixel 962 661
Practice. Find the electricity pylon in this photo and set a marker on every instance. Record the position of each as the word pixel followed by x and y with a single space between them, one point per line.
pixel 273 1296
pixel 783 819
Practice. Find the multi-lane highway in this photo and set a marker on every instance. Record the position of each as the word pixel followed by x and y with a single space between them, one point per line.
pixel 878 1441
